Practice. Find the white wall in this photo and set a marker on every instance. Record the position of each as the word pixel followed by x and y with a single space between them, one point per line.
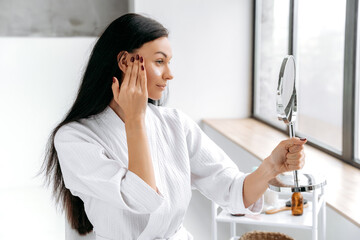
pixel 39 78
pixel 212 54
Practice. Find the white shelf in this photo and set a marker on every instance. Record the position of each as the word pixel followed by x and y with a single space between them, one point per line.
pixel 307 221
pixel 281 219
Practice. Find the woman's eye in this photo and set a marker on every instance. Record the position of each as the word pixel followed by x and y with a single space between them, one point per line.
pixel 159 61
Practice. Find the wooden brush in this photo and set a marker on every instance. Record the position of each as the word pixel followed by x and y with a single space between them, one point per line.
pixel 286 207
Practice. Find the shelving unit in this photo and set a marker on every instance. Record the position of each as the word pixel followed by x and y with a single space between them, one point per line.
pixel 308 221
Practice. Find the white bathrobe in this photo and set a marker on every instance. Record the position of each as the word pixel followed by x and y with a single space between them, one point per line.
pixel 93 157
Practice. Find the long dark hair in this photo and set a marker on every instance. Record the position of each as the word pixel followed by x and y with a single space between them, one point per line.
pixel 129 32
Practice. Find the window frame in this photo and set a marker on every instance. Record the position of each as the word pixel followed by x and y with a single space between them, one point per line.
pixel 350 123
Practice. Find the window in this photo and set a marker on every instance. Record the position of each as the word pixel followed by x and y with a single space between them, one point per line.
pixel 320 61
pixel 321 34
pixel 273 42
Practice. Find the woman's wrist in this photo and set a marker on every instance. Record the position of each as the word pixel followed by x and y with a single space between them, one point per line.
pixel 135 123
pixel 256 183
pixel 268 169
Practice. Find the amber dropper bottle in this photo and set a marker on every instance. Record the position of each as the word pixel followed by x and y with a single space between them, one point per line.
pixel 297 204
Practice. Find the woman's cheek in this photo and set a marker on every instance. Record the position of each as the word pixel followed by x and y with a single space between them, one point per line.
pixel 152 73
pixel 150 76
pixel 157 72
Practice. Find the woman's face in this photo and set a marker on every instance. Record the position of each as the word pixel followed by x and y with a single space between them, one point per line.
pixel 157 55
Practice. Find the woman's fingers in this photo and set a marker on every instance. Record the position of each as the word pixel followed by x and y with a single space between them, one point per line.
pixel 134 72
pixel 296 155
pixel 295 148
pixel 295 161
pixel 294 165
pixel 126 78
pixel 115 88
pixel 289 155
pixel 142 73
pixel 138 80
pixel 293 142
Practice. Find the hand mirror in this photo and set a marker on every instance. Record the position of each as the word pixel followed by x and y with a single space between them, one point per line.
pixel 286 99
pixel 286 106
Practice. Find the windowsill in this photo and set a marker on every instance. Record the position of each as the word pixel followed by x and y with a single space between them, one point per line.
pixel 259 139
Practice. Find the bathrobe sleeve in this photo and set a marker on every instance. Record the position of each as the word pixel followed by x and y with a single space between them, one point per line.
pixel 213 173
pixel 88 170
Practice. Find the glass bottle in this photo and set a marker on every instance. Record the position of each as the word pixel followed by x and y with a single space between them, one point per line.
pixel 297 204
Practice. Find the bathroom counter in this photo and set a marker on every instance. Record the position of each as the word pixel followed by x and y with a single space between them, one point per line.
pixel 259 139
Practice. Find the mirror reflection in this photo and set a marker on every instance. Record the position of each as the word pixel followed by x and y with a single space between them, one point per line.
pixel 286 92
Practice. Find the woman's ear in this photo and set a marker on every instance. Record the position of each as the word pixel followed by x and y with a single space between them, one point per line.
pixel 122 60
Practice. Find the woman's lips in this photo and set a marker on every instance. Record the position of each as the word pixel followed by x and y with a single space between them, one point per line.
pixel 161 86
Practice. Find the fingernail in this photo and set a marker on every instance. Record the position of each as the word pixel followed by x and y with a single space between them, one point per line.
pixel 113 80
pixel 137 56
pixel 302 139
pixel 141 59
pixel 132 59
pixel 142 67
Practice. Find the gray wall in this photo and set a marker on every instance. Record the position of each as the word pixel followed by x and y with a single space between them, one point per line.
pixel 58 18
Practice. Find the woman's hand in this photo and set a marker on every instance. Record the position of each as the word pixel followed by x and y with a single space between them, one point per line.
pixel 132 97
pixel 287 156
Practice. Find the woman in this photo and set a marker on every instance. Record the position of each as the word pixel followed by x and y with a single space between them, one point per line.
pixel 125 167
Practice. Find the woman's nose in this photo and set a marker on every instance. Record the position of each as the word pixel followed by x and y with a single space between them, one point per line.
pixel 168 74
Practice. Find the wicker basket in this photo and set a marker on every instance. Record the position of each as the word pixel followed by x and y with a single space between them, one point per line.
pixel 258 235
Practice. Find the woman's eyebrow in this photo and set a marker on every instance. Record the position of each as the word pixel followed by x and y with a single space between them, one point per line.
pixel 161 53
